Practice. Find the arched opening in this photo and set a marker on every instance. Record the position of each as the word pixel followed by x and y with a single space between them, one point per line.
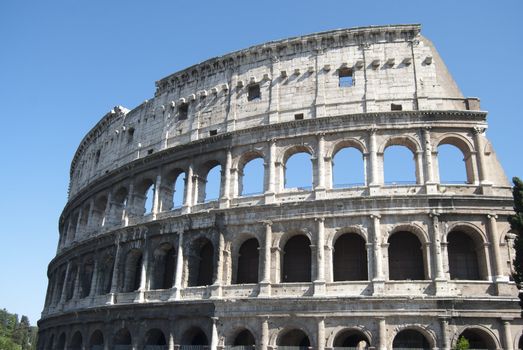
pixel 143 197
pixel 201 263
pixel 297 260
pixel 194 336
pixel 57 293
pixel 478 339
pixel 178 189
pixel 98 213
pixel 86 278
pixel 132 271
pixel 163 267
pixel 348 168
pixel 71 279
pixel 463 257
pixel 248 259
pixel 122 338
pixel 119 204
pixel 351 338
pixel 60 345
pixel 76 342
pixel 520 343
pixel 350 258
pixel 405 257
pixel 410 339
pixel 298 171
pixel 50 343
pixel 251 178
pixel 244 338
pixel 105 274
pixel 295 337
pixel 399 165
pixel 213 181
pixel 451 165
pixel 154 338
pixel 97 341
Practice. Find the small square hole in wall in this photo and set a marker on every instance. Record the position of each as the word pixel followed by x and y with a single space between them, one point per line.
pixel 183 111
pixel 298 116
pixel 213 132
pixel 345 77
pixel 254 92
pixel 395 107
pixel 150 151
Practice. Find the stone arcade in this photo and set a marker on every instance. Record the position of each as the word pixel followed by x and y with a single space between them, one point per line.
pixel 386 265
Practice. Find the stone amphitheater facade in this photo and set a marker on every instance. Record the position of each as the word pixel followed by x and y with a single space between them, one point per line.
pixel 373 265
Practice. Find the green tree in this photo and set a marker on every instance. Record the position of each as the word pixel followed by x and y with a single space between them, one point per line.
pixel 516 224
pixel 8 344
pixel 462 344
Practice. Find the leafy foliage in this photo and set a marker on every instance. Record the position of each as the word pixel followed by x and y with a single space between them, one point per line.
pixel 462 344
pixel 516 224
pixel 14 334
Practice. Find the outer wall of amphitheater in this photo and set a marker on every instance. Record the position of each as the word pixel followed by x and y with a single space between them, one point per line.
pixel 373 264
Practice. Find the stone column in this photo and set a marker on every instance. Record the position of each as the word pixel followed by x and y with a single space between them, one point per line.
pixel 321 334
pixel 143 275
pixel 107 213
pixel 418 158
pixel 188 200
pixel 156 200
pixel 94 279
pixel 90 216
pixel 271 171
pixel 264 341
pixel 438 260
pixel 373 180
pixel 128 210
pixel 377 278
pixel 116 271
pixel 478 143
pixel 319 283
pixel 64 287
pixel 171 340
pixel 179 267
pixel 266 275
pixel 225 195
pixel 494 243
pixel 382 331
pixel 214 334
pixel 320 162
pixel 430 183
pixel 507 334
pixel 219 265
pixel 444 324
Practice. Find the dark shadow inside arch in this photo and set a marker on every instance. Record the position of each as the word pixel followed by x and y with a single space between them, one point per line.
pixel 163 267
pixel 478 339
pixel 351 338
pixel 463 257
pixel 122 337
pixel 520 343
pixel 410 339
pixel 350 258
pixel 244 338
pixel 105 274
pixel 201 263
pixel 295 337
pixel 61 342
pixel 194 336
pixel 97 340
pixel 248 259
pixel 76 342
pixel 405 257
pixel 297 260
pixel 132 271
pixel 153 338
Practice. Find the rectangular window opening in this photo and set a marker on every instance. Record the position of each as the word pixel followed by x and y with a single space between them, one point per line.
pixel 254 92
pixel 298 116
pixel 395 107
pixel 183 111
pixel 150 151
pixel 345 77
pixel 213 132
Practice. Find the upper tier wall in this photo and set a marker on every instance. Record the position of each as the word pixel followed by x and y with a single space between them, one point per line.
pixel 297 78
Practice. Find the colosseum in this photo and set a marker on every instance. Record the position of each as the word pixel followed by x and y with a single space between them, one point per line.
pixel 148 258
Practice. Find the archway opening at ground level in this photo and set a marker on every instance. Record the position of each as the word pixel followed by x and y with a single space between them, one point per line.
pixel 244 338
pixel 294 337
pixel 351 338
pixel 410 339
pixel 478 339
pixel 97 340
pixel 123 337
pixel 153 338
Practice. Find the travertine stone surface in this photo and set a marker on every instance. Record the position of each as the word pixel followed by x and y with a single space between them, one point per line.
pixel 174 276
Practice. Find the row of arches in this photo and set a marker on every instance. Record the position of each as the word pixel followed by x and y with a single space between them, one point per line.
pixel 136 269
pixel 409 337
pixel 348 163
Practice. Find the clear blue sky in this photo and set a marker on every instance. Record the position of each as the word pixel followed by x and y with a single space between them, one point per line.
pixel 64 64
